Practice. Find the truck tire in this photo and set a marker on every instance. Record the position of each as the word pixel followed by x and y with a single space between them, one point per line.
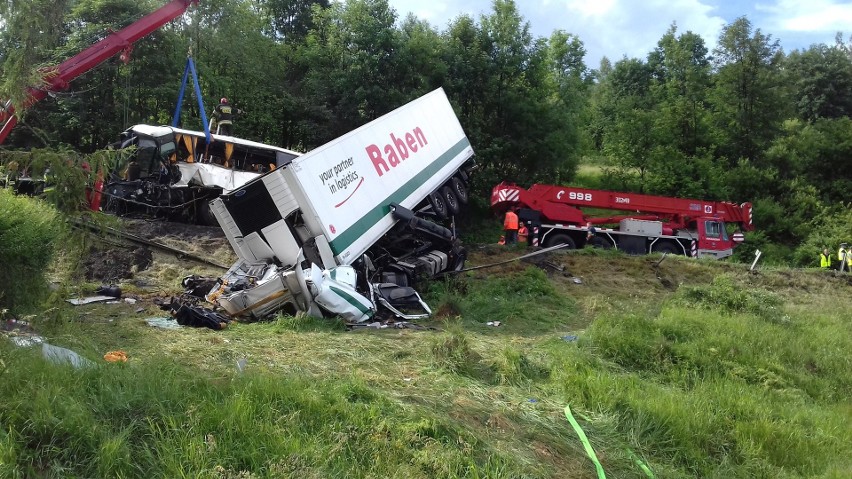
pixel 203 215
pixel 560 238
pixel 460 189
pixel 439 206
pixel 599 242
pixel 453 206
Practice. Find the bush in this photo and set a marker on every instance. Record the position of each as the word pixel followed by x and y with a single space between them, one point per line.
pixel 827 231
pixel 725 296
pixel 29 231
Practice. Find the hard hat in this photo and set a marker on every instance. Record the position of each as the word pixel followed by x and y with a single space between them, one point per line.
pixel 223 100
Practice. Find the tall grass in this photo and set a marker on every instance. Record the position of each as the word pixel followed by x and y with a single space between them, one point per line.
pixel 526 302
pixel 726 377
pixel 721 395
pixel 29 232
pixel 165 420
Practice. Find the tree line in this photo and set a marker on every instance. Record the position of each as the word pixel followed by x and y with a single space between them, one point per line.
pixel 743 122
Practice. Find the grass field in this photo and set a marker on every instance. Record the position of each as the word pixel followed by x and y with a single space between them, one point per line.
pixel 692 368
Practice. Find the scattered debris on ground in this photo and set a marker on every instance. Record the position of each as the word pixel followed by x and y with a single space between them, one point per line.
pixel 187 312
pixel 388 324
pixel 20 333
pixel 118 356
pixel 90 300
pixel 58 355
pixel 163 323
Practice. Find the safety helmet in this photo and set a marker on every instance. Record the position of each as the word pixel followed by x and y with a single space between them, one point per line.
pixel 223 100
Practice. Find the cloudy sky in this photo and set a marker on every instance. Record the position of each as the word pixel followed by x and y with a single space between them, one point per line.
pixel 615 28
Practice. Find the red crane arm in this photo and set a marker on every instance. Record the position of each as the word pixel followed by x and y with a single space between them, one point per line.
pixel 59 77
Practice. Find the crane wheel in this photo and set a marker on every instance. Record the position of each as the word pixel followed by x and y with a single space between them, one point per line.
pixel 667 247
pixel 598 242
pixel 560 238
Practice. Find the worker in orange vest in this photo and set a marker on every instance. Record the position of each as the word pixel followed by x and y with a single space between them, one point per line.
pixel 510 225
pixel 522 233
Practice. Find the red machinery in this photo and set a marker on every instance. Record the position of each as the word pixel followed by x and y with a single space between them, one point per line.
pixel 58 78
pixel 645 223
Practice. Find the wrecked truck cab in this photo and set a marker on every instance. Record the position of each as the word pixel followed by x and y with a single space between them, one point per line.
pixel 352 210
pixel 258 290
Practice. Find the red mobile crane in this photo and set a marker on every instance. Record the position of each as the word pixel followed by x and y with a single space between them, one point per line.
pixel 648 223
pixel 58 78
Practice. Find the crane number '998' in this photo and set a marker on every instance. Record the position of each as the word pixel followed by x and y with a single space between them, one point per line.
pixel 575 195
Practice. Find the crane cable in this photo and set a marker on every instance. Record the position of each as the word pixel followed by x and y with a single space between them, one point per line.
pixel 127 95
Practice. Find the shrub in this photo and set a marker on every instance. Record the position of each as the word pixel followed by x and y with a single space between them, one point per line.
pixel 452 351
pixel 29 231
pixel 827 231
pixel 725 296
pixel 515 368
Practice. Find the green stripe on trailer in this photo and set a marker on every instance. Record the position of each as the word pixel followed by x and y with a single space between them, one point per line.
pixel 345 240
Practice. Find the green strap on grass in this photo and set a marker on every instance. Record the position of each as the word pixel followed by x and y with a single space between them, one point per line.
pixel 585 441
pixel 641 464
pixel 591 452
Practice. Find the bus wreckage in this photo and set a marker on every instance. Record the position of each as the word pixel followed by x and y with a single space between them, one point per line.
pixel 174 173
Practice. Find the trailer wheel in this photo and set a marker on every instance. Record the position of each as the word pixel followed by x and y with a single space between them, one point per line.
pixel 453 206
pixel 561 238
pixel 460 189
pixel 599 242
pixel 439 206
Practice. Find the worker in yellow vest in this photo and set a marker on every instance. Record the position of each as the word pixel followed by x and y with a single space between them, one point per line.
pixel 825 259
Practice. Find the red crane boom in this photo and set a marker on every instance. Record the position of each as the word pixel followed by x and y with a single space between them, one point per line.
pixel 59 77
pixel 560 203
pixel 639 224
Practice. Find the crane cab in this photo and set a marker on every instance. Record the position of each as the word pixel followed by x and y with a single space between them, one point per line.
pixel 714 240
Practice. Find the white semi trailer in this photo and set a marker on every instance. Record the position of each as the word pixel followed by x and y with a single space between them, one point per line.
pixel 348 228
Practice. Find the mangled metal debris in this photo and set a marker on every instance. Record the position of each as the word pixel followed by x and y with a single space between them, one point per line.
pixel 348 229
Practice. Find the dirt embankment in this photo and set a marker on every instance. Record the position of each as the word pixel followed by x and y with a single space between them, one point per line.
pixel 112 259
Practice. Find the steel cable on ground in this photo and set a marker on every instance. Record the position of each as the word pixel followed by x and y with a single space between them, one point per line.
pixel 518 258
pixel 138 239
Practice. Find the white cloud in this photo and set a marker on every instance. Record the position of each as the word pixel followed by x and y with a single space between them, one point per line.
pixel 615 28
pixel 438 12
pixel 825 16
pixel 588 8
